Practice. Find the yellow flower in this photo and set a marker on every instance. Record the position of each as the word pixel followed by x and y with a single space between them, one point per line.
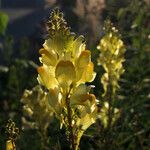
pixel 111 57
pixel 65 73
pixel 10 145
pixel 55 100
pixel 85 122
pixel 82 97
pixel 46 76
pixel 85 68
pixel 84 59
pixel 49 58
pixel 66 67
pixel 37 108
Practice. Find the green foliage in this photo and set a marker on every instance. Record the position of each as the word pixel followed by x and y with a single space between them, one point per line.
pixel 131 131
pixel 135 86
pixel 3 23
pixel 15 71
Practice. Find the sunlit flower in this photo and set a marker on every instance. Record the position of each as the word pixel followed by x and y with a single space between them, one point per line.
pixel 66 67
pixel 37 109
pixel 111 57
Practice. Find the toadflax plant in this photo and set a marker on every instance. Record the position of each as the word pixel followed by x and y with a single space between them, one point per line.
pixel 37 112
pixel 111 57
pixel 66 67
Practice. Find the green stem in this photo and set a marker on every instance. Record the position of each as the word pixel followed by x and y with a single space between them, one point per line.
pixel 110 97
pixel 109 106
pixel 44 139
pixel 70 127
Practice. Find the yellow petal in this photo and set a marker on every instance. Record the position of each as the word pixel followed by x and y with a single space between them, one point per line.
pixel 10 145
pixel 78 46
pixel 104 81
pixel 48 58
pixel 82 63
pixel 86 121
pixel 80 95
pixel 88 73
pixel 54 99
pixel 46 78
pixel 55 44
pixel 47 45
pixel 84 59
pixel 65 73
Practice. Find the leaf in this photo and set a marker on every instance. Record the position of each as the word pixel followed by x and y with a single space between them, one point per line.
pixel 121 13
pixel 3 23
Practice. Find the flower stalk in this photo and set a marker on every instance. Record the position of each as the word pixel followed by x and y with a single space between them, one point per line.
pixel 66 67
pixel 69 117
pixel 37 113
pixel 111 58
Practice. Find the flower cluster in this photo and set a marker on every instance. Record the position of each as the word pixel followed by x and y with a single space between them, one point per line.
pixel 13 133
pixel 111 57
pixel 36 108
pixel 66 67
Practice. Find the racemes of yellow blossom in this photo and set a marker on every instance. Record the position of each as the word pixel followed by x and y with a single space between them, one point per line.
pixel 38 114
pixel 66 67
pixel 36 108
pixel 111 58
pixel 13 133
